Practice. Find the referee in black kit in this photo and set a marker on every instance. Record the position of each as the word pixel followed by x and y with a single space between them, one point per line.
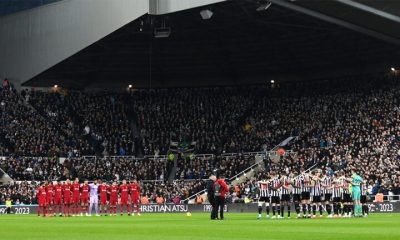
pixel 210 194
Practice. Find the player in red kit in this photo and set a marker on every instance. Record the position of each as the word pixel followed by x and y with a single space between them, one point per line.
pixel 124 192
pixel 41 197
pixel 67 187
pixel 103 188
pixel 135 197
pixel 49 197
pixel 113 198
pixel 58 189
pixel 76 195
pixel 85 197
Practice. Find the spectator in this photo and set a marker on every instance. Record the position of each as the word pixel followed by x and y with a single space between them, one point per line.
pixel 159 199
pixel 145 200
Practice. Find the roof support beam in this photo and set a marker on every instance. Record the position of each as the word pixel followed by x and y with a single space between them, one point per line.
pixel 336 21
pixel 371 10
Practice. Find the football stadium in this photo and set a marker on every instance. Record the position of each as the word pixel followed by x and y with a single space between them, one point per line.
pixel 199 119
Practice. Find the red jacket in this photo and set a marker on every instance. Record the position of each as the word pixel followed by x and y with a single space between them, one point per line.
pixel 224 187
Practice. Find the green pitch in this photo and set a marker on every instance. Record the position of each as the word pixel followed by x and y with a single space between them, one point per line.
pixel 198 226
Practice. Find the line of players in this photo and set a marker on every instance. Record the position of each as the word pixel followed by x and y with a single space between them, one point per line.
pixel 309 193
pixel 74 198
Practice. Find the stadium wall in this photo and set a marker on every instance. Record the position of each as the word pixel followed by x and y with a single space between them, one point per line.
pixel 386 207
pixel 158 7
pixel 37 39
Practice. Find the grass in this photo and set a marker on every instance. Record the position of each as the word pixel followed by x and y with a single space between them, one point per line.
pixel 198 226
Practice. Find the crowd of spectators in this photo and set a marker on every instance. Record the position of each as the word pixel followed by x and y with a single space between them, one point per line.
pixel 96 118
pixel 24 132
pixel 24 192
pixel 151 172
pixel 358 126
pixel 109 169
pixel 19 193
pixel 339 124
pixel 119 168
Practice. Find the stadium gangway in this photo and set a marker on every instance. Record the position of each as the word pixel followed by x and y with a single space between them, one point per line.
pixel 197 155
pixel 152 157
pixel 266 153
pixel 111 157
pixel 242 173
pixel 175 181
pixel 241 153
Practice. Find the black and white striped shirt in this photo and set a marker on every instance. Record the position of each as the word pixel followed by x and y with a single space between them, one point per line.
pixel 363 189
pixel 346 187
pixel 285 182
pixel 305 182
pixel 264 189
pixel 327 182
pixel 337 189
pixel 275 186
pixel 297 185
pixel 316 189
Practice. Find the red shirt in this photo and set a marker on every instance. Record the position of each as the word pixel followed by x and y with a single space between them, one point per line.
pixel 67 191
pixel 123 189
pixel 113 192
pixel 41 194
pixel 85 191
pixel 135 190
pixel 103 191
pixel 58 191
pixel 76 189
pixel 224 187
pixel 49 191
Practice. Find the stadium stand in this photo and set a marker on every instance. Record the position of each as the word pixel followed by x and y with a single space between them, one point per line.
pixel 339 124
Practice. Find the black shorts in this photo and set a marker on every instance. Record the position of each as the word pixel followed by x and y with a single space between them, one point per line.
pixel 363 199
pixel 316 199
pixel 346 198
pixel 264 199
pixel 296 197
pixel 285 198
pixel 337 200
pixel 275 199
pixel 305 196
pixel 327 197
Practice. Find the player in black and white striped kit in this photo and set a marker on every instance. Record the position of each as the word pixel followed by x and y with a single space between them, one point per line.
pixel 275 195
pixel 316 192
pixel 285 194
pixel 305 192
pixel 327 188
pixel 296 192
pixel 363 199
pixel 337 192
pixel 263 197
pixel 346 197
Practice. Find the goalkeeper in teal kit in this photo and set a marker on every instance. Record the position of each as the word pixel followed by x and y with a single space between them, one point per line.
pixel 355 181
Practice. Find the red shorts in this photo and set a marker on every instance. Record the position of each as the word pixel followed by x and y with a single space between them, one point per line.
pixel 49 201
pixel 67 200
pixel 75 200
pixel 103 201
pixel 42 203
pixel 135 200
pixel 113 201
pixel 124 201
pixel 58 201
pixel 85 200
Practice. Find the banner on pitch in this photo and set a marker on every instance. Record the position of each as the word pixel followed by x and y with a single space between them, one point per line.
pixel 387 207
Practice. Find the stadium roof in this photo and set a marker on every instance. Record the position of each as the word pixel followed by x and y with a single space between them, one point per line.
pixel 238 45
pixel 13 6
